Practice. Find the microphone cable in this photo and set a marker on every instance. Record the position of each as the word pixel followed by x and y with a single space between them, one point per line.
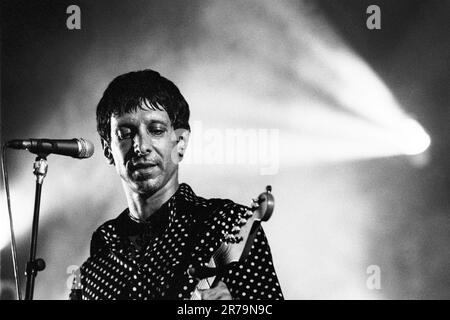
pixel 11 226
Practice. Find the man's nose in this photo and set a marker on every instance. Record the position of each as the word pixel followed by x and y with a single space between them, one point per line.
pixel 142 144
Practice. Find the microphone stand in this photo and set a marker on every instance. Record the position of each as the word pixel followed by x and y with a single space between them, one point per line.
pixel 35 265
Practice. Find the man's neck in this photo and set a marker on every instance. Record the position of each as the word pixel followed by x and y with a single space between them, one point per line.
pixel 143 206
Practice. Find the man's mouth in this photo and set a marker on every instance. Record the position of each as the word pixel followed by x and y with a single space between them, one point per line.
pixel 143 171
pixel 142 166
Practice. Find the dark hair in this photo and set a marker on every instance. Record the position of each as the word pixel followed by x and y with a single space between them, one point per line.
pixel 129 91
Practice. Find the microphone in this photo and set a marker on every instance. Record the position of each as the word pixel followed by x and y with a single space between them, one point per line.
pixel 76 148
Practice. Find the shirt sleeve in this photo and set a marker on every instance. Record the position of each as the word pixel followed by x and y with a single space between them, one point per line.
pixel 96 244
pixel 255 277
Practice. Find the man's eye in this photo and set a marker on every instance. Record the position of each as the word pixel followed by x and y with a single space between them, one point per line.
pixel 121 134
pixel 157 131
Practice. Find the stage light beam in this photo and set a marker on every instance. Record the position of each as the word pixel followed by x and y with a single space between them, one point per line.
pixel 413 138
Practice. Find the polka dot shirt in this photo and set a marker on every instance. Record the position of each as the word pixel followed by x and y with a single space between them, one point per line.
pixel 148 260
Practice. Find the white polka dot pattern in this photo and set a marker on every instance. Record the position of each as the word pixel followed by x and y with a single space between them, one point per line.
pixel 148 260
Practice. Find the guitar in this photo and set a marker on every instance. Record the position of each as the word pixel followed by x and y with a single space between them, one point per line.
pixel 236 246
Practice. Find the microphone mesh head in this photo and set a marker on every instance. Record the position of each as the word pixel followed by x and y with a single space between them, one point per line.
pixel 87 148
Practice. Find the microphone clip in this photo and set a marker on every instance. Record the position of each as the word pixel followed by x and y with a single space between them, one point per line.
pixel 40 167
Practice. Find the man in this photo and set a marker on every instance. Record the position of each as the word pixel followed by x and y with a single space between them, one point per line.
pixel 144 253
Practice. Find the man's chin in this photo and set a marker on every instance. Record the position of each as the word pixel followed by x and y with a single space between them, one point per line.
pixel 147 186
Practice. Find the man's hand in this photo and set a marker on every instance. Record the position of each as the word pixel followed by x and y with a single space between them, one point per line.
pixel 219 292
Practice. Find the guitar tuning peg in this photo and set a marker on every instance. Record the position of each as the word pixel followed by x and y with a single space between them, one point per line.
pixel 248 214
pixel 229 238
pixel 242 222
pixel 235 229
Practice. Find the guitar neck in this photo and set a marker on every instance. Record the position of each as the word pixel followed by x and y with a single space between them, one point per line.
pixel 223 257
pixel 236 246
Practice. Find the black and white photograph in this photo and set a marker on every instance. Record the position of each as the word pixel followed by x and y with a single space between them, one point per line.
pixel 225 150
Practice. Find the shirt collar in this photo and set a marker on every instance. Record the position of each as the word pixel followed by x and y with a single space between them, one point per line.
pixel 183 198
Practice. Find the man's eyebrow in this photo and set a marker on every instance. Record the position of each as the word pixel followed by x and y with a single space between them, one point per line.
pixel 130 124
pixel 125 125
pixel 158 121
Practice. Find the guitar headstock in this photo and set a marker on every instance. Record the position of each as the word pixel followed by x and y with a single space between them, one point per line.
pixel 237 244
pixel 263 205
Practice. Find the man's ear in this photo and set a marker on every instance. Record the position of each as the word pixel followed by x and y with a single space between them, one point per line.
pixel 182 141
pixel 107 151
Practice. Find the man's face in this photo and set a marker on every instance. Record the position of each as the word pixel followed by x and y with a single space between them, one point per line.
pixel 142 144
